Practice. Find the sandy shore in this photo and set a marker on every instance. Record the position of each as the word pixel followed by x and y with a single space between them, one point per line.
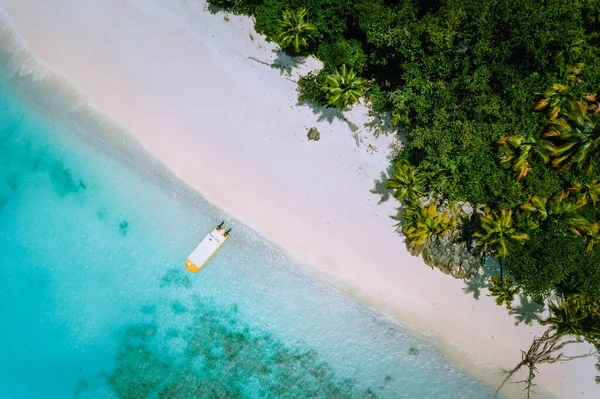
pixel 198 89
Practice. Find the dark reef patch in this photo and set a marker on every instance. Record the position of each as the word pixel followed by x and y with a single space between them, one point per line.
pixel 123 226
pixel 101 214
pixel 223 358
pixel 178 308
pixel 13 182
pixel 81 386
pixel 63 181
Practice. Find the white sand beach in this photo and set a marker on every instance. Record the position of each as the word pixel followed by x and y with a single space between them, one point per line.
pixel 199 89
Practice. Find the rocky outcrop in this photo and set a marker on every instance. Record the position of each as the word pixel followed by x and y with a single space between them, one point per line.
pixel 452 256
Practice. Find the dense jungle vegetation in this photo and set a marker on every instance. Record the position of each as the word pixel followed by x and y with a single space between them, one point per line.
pixel 497 104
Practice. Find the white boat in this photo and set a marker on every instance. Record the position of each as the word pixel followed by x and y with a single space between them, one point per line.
pixel 207 248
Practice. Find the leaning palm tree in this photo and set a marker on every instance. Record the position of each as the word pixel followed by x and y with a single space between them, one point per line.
pixel 406 182
pixel 504 290
pixel 344 88
pixel 295 31
pixel 518 150
pixel 573 138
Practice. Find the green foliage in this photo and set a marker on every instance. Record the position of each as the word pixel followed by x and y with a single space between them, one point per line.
pixel 268 18
pixel 504 291
pixel 497 232
pixel 310 89
pixel 554 259
pixel 344 88
pixel 421 223
pixel 348 52
pixel 590 192
pixel 378 98
pixel 295 31
pixel 575 315
pixel 558 209
pixel 556 99
pixel 574 138
pixel 247 7
pixel 406 182
pixel 518 150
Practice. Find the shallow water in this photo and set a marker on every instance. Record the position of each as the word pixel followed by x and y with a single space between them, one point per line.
pixel 95 301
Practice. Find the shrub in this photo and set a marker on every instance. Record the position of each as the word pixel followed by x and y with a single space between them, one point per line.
pixel 309 89
pixel 349 52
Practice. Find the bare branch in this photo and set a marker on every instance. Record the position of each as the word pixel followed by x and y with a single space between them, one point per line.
pixel 544 349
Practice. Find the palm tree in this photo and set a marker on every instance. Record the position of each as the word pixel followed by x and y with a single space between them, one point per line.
pixel 518 150
pixel 497 232
pixel 567 315
pixel 426 222
pixel 503 290
pixel 589 191
pixel 593 104
pixel 572 138
pixel 295 31
pixel 557 98
pixel 406 182
pixel 556 209
pixel 345 88
pixel 590 233
pixel 571 52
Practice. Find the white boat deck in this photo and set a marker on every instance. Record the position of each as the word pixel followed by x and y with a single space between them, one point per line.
pixel 206 249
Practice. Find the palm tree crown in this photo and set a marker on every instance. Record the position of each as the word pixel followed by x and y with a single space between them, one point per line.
pixel 497 232
pixel 424 222
pixel 503 290
pixel 574 137
pixel 590 233
pixel 567 316
pixel 557 209
pixel 589 191
pixel 518 150
pixel 557 98
pixel 344 88
pixel 295 31
pixel 406 181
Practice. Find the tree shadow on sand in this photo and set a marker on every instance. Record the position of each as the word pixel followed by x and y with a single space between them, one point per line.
pixel 380 123
pixel 283 62
pixel 476 283
pixel 211 8
pixel 527 311
pixel 379 187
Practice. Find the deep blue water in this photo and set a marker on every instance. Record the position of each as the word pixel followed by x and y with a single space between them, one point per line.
pixel 95 301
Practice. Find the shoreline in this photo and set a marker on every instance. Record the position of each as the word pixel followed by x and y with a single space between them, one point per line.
pixel 322 185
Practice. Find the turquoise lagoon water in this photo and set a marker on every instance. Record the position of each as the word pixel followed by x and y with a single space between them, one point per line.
pixel 95 301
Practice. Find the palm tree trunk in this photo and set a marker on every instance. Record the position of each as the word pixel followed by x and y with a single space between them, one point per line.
pixel 501 269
